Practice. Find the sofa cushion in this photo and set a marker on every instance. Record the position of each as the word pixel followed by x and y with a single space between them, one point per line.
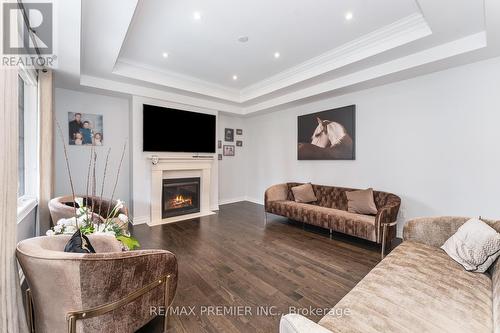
pixel 361 202
pixel 349 223
pixel 304 193
pixel 417 288
pixel 475 245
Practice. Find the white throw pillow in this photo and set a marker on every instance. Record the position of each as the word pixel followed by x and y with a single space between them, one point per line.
pixel 475 245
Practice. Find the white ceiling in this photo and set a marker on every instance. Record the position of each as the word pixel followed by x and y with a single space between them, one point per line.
pixel 321 52
pixel 208 49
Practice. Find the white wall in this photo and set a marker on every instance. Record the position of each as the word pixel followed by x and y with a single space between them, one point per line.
pixel 433 140
pixel 141 164
pixel 232 175
pixel 115 113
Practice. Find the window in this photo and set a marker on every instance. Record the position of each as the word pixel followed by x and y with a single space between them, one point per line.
pixel 27 190
pixel 21 188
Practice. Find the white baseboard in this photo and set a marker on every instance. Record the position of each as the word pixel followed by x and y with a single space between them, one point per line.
pixel 140 220
pixel 229 201
pixel 239 199
pixel 254 200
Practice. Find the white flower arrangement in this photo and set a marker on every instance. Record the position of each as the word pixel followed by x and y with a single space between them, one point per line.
pixel 91 223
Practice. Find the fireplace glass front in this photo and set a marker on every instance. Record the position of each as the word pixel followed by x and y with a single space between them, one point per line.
pixel 180 196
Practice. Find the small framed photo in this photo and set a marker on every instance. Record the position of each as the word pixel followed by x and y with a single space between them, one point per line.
pixel 229 134
pixel 219 144
pixel 219 157
pixel 239 131
pixel 239 143
pixel 228 150
pixel 85 129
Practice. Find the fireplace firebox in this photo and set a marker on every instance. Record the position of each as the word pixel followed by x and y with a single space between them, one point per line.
pixel 180 196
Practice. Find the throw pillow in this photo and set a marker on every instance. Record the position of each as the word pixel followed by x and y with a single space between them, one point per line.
pixel 304 193
pixel 361 202
pixel 79 243
pixel 475 245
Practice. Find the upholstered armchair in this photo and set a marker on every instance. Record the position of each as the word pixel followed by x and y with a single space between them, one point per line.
pixel 62 207
pixel 107 291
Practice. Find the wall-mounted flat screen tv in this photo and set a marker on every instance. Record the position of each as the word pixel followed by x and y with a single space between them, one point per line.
pixel 172 130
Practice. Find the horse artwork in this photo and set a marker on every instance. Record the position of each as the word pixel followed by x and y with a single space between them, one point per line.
pixel 327 135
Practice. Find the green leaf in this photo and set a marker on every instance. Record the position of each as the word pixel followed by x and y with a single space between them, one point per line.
pixel 129 242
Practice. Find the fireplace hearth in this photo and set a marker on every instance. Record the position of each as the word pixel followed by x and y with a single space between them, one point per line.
pixel 180 196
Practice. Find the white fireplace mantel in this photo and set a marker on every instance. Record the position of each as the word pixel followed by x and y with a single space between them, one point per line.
pixel 178 167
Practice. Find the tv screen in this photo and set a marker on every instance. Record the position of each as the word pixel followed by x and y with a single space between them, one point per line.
pixel 172 130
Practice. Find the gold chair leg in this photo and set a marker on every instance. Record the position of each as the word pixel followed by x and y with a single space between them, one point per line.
pixel 29 305
pixel 167 305
pixel 71 324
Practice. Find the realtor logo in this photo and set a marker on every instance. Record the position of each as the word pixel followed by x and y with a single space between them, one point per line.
pixel 37 33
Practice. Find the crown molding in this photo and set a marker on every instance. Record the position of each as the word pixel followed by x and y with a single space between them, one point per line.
pixel 138 90
pixel 401 32
pixel 137 71
pixel 406 30
pixel 460 46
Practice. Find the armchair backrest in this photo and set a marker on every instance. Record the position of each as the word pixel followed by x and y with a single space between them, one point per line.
pixel 60 207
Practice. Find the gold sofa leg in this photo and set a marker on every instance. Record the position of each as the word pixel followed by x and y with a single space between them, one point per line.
pixel 384 236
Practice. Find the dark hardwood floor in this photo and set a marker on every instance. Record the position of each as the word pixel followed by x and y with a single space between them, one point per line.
pixel 233 259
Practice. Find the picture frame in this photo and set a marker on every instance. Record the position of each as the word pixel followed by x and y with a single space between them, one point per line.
pixel 85 129
pixel 327 135
pixel 219 144
pixel 229 134
pixel 239 131
pixel 239 143
pixel 219 157
pixel 229 150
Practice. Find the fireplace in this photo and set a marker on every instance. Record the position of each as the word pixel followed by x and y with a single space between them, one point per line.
pixel 180 196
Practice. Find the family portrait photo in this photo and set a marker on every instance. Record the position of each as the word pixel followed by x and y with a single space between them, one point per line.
pixel 327 135
pixel 85 129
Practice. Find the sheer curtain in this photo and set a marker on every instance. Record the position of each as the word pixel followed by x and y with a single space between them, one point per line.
pixel 12 318
pixel 46 147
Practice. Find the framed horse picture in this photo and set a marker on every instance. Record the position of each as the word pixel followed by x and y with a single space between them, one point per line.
pixel 327 135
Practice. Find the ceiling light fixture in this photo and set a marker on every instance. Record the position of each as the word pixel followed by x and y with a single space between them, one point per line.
pixel 197 16
pixel 277 55
pixel 243 39
pixel 349 16
pixel 235 77
pixel 165 55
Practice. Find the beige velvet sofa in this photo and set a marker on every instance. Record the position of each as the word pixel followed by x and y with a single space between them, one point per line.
pixel 416 288
pixel 109 291
pixel 330 211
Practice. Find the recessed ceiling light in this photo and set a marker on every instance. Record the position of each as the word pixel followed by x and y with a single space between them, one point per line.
pixel 165 55
pixel 348 16
pixel 277 55
pixel 235 77
pixel 197 16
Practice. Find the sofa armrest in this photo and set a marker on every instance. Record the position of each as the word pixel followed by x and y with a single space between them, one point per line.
pixel 275 193
pixel 295 323
pixel 433 231
pixel 387 214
